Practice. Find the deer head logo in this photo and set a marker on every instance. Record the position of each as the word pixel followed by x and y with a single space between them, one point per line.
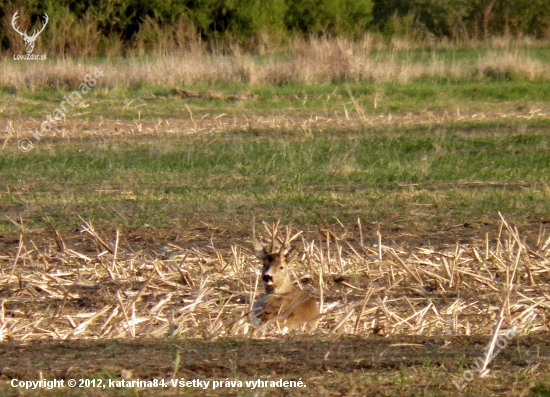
pixel 29 40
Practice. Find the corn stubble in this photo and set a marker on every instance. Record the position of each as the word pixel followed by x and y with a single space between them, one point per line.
pixel 60 292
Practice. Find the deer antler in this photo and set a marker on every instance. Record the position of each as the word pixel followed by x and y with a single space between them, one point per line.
pixel 285 244
pixel 277 241
pixel 274 232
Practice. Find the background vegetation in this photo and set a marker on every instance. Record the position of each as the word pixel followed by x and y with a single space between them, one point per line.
pixel 392 133
pixel 415 137
pixel 98 27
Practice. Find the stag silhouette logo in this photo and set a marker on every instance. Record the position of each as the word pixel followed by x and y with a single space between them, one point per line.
pixel 29 40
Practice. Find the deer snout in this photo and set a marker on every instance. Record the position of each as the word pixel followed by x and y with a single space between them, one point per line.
pixel 267 279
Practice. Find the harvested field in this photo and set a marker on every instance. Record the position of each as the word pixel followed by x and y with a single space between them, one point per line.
pixel 333 366
pixel 385 308
pixel 115 292
pixel 418 176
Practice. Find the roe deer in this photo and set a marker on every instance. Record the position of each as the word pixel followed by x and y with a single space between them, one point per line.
pixel 282 304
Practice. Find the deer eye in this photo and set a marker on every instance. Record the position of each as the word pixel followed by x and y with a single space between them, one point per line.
pixel 281 268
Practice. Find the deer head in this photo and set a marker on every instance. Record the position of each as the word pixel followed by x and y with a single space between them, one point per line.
pixel 275 258
pixel 29 40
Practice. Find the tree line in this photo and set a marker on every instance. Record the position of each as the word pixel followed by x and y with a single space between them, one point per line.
pixel 246 21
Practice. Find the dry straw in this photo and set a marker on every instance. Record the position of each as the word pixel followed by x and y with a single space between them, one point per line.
pixel 312 61
pixel 62 292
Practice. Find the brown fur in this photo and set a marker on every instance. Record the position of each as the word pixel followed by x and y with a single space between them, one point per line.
pixel 286 306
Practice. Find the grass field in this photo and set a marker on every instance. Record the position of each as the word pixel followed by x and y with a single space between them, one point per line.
pixel 423 195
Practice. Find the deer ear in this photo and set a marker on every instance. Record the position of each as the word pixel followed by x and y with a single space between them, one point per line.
pixel 259 249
